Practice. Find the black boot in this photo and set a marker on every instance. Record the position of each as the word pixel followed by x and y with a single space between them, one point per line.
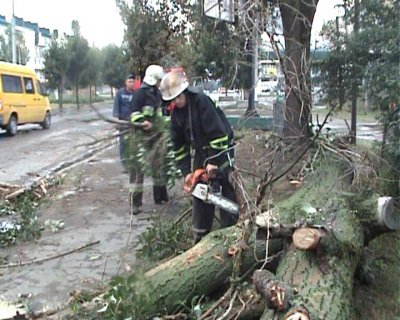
pixel 160 194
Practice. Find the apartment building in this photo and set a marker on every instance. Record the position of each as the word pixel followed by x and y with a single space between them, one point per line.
pixel 36 38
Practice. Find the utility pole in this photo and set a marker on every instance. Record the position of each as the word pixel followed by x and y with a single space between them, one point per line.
pixel 13 36
pixel 252 59
pixel 354 86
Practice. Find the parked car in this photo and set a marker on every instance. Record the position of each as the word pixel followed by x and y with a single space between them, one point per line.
pixel 266 85
pixel 22 98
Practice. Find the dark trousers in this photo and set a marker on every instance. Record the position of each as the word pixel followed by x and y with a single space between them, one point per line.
pixel 123 143
pixel 136 177
pixel 203 213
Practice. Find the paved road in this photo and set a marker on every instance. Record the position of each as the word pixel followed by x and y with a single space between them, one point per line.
pixel 34 151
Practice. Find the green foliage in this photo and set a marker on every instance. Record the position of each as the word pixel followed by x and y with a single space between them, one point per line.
pixel 367 58
pixel 114 68
pixel 152 152
pixel 21 216
pixel 77 50
pixel 123 300
pixel 217 48
pixel 55 64
pixel 389 172
pixel 164 239
pixel 151 30
pixel 6 47
pixel 93 69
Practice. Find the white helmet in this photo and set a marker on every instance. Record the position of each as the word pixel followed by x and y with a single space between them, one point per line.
pixel 173 84
pixel 153 73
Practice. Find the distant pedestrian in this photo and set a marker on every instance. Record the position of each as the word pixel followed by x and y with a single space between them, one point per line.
pixel 122 111
pixel 147 121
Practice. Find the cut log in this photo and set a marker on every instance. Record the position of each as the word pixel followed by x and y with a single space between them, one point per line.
pixel 321 278
pixel 320 263
pixel 277 294
pixel 307 238
pixel 203 268
pixel 377 216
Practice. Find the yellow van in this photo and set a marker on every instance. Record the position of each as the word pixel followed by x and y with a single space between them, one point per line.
pixel 22 98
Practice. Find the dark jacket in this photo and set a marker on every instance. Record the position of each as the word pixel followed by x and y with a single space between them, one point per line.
pixel 202 126
pixel 146 102
pixel 122 104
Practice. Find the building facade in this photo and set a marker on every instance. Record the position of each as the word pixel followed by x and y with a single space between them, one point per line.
pixel 36 41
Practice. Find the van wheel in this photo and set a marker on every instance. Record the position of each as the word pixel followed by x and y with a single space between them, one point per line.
pixel 47 121
pixel 12 126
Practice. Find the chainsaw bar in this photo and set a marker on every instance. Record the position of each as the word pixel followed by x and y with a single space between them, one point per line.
pixel 202 192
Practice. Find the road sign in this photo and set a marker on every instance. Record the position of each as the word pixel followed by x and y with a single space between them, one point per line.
pixel 220 9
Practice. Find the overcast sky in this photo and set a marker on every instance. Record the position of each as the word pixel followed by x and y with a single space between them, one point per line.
pixel 99 19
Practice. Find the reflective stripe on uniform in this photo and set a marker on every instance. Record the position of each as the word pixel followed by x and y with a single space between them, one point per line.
pixel 136 116
pixel 181 153
pixel 199 231
pixel 219 143
pixel 135 187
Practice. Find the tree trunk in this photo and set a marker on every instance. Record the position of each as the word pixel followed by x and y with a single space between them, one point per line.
pixel 77 96
pixel 320 262
pixel 325 225
pixel 60 98
pixel 297 18
pixel 204 268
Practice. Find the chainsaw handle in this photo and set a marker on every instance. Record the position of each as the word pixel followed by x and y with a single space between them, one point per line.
pixel 193 178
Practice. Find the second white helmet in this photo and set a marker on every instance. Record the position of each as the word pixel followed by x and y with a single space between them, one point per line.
pixel 173 84
pixel 153 74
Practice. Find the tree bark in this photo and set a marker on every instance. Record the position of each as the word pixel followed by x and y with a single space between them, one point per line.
pixel 325 228
pixel 204 268
pixel 297 19
pixel 321 262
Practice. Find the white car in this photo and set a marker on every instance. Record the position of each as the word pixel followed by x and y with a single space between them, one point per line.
pixel 266 85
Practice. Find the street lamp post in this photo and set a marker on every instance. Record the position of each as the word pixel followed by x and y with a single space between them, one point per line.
pixel 13 36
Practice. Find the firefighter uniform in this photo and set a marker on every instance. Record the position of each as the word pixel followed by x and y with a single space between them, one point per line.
pixel 202 127
pixel 145 106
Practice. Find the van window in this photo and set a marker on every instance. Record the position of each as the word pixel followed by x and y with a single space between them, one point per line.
pixel 28 82
pixel 40 89
pixel 11 83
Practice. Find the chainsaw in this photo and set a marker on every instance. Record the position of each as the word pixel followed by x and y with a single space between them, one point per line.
pixel 207 187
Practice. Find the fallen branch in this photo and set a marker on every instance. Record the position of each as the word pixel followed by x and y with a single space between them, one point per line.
pixel 20 264
pixel 8 185
pixel 183 216
pixel 15 194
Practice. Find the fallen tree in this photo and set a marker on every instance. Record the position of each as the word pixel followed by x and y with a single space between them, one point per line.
pixel 321 232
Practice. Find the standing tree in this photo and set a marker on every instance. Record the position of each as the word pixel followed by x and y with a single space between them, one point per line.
pixel 6 47
pixel 93 70
pixel 373 49
pixel 151 30
pixel 297 18
pixel 114 67
pixel 77 48
pixel 55 67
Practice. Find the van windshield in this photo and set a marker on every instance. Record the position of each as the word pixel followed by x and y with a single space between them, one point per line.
pixel 41 88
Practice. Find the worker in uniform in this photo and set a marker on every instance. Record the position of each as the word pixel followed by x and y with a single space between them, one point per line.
pixel 197 124
pixel 146 119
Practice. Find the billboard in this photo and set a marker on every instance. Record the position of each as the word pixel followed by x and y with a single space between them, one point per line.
pixel 220 9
